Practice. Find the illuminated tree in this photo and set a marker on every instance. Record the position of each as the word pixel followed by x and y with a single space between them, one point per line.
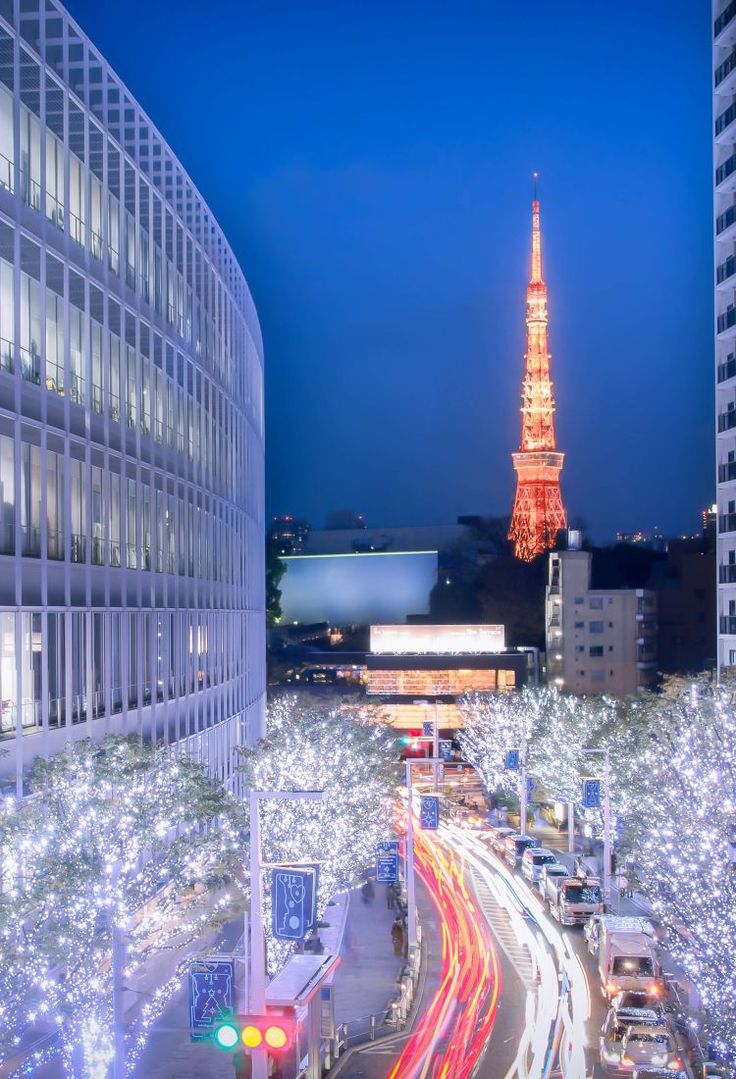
pixel 682 821
pixel 495 723
pixel 308 747
pixel 567 727
pixel 116 835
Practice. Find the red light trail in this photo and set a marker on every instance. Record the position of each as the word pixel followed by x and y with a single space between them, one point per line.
pixel 452 1032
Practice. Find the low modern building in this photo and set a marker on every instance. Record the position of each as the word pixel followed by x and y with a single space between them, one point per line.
pixel 131 423
pixel 598 640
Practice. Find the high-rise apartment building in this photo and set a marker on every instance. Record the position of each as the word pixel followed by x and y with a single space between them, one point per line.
pixel 724 210
pixel 131 422
pixel 598 640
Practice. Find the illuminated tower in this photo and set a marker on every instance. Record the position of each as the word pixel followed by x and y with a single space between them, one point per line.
pixel 538 511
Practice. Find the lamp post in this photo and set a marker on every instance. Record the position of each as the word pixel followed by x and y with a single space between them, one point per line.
pixel 410 883
pixel 606 817
pixel 257 967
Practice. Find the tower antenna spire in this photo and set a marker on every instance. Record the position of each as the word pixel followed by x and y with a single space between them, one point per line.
pixel 538 512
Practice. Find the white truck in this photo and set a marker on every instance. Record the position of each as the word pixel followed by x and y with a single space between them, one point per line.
pixel 627 955
pixel 573 900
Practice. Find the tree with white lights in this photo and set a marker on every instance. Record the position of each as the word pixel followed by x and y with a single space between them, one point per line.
pixel 116 836
pixel 308 747
pixel 567 727
pixel 681 790
pixel 496 723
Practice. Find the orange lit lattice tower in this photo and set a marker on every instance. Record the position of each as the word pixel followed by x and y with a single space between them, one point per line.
pixel 538 512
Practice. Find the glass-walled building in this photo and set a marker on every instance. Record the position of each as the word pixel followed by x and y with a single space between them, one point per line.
pixel 131 423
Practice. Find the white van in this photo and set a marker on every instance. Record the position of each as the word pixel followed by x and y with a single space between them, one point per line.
pixel 515 846
pixel 534 860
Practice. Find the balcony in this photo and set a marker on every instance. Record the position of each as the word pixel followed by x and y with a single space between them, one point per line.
pixel 727 471
pixel 726 270
pixel 724 77
pixel 727 369
pixel 727 574
pixel 725 178
pixel 724 121
pixel 727 522
pixel 725 21
pixel 727 320
pixel 725 223
pixel 727 624
pixel 727 420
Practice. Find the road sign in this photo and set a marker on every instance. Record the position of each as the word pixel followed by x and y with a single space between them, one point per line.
pixel 429 812
pixel 293 902
pixel 513 758
pixel 446 749
pixel 592 793
pixel 387 868
pixel 388 846
pixel 427 728
pixel 210 995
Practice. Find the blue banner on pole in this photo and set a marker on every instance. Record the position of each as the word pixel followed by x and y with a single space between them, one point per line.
pixel 387 868
pixel 446 749
pixel 388 846
pixel 591 793
pixel 293 902
pixel 210 995
pixel 529 786
pixel 513 760
pixel 427 728
pixel 429 812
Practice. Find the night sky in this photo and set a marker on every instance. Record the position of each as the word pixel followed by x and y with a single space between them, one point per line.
pixel 370 164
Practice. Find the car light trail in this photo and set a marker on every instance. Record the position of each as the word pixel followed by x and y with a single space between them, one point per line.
pixel 452 1032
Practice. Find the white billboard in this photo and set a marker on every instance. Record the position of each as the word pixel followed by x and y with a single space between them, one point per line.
pixel 437 640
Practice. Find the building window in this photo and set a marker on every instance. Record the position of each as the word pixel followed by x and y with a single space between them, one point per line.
pixel 30 499
pixel 596 650
pixel 7 497
pixel 595 627
pixel 54 180
pixel 580 625
pixel 6 139
pixel 30 159
pixel 596 603
pixel 597 676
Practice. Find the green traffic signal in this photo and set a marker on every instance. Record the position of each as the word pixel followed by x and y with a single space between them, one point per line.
pixel 227 1036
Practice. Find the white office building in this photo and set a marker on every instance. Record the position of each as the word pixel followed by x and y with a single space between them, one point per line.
pixel 131 423
pixel 724 212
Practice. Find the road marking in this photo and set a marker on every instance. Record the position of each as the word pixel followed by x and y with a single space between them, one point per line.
pixel 498 919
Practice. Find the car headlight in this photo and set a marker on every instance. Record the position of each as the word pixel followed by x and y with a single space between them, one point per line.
pixel 609 1057
pixel 659 1058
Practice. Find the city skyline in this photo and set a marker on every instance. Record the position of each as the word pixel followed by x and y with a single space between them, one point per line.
pixel 381 219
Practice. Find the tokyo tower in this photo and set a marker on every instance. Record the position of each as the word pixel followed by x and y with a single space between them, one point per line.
pixel 538 512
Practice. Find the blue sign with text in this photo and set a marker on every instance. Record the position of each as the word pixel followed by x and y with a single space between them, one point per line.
pixel 429 812
pixel 388 846
pixel 446 749
pixel 293 902
pixel 387 868
pixel 210 995
pixel 512 760
pixel 591 793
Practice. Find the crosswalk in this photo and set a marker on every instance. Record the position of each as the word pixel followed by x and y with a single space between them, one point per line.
pixel 498 919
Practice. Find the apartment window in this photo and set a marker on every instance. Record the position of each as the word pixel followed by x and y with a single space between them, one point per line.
pixel 30 669
pixel 7 317
pixel 55 504
pixel 132 546
pixel 595 627
pixel 595 650
pixel 30 328
pixel 114 377
pixel 597 676
pixel 54 341
pixel 96 343
pixel 7 498
pixel 30 158
pixel 132 391
pixel 98 518
pixel 580 625
pixel 78 512
pixel 95 217
pixel 54 180
pixel 596 603
pixel 114 519
pixel 113 233
pixel 6 140
pixel 30 499
pixel 76 199
pixel 76 375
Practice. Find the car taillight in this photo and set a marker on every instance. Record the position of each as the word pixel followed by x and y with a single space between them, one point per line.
pixel 612 987
pixel 675 1065
pixel 654 990
pixel 627 1061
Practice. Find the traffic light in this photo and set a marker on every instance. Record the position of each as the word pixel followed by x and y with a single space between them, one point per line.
pixel 274 1032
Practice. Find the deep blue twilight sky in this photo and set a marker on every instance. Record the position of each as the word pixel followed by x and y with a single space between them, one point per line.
pixel 370 163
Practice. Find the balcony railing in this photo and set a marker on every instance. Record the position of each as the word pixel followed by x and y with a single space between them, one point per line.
pixel 727 522
pixel 727 471
pixel 727 319
pixel 727 574
pixel 79 547
pixel 55 545
pixel 724 70
pixel 727 420
pixel 725 220
pixel 31 542
pixel 727 369
pixel 727 623
pixel 726 118
pixel 724 171
pixel 724 19
pixel 726 269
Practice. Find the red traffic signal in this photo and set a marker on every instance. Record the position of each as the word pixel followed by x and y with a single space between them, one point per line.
pixel 273 1032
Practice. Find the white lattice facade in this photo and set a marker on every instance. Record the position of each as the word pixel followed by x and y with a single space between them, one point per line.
pixel 131 422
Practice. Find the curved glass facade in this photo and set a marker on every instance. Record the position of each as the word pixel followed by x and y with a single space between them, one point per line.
pixel 131 422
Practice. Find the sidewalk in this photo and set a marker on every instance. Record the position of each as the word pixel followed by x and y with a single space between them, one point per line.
pixel 366 978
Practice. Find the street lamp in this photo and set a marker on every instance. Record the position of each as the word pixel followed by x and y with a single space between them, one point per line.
pixel 410 883
pixel 257 968
pixel 606 817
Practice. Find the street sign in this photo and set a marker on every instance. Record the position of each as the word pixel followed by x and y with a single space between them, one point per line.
pixel 387 868
pixel 210 995
pixel 427 728
pixel 513 757
pixel 293 902
pixel 429 812
pixel 388 846
pixel 446 749
pixel 591 793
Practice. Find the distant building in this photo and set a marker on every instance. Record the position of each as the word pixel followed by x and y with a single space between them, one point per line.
pixel 288 534
pixel 598 640
pixel 709 518
pixel 685 584
pixel 652 541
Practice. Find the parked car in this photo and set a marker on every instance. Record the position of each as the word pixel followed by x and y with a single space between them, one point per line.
pixel 534 860
pixel 615 1025
pixel 573 900
pixel 659 1073
pixel 499 838
pixel 515 846
pixel 645 1045
pixel 637 998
